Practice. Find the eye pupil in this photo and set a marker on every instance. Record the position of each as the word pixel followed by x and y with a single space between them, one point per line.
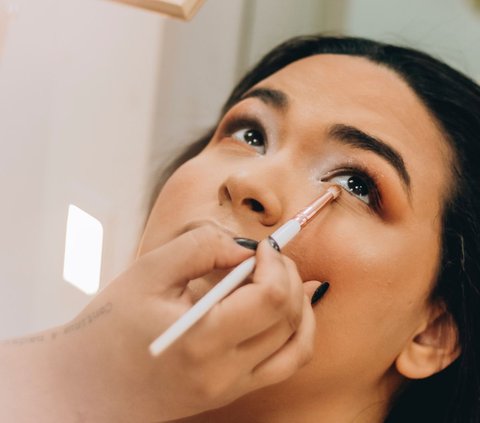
pixel 357 186
pixel 253 137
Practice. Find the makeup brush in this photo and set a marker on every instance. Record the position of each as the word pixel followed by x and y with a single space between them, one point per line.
pixel 278 239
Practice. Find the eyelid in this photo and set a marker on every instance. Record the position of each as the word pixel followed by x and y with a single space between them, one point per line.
pixel 362 171
pixel 235 123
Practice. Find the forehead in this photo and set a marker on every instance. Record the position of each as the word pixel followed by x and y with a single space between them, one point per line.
pixel 329 89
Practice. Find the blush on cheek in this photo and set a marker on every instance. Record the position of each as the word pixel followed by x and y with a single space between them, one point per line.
pixel 374 302
pixel 370 266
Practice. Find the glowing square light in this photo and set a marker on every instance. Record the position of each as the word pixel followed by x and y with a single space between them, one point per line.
pixel 83 250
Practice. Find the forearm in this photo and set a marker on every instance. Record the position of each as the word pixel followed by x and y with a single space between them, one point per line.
pixel 28 389
pixel 58 376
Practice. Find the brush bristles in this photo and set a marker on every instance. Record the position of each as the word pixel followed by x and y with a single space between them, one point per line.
pixel 335 190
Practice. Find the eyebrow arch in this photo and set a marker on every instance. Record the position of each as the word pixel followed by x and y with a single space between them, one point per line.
pixel 276 98
pixel 356 138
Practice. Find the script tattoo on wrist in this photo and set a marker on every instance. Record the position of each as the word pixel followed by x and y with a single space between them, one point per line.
pixel 89 319
pixel 72 327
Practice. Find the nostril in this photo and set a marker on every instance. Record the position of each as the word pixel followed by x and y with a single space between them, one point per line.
pixel 223 194
pixel 255 205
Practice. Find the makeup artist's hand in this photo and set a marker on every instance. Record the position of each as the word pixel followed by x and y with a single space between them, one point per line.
pixel 100 366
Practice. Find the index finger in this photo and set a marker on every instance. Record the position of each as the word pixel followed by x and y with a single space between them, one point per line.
pixel 189 256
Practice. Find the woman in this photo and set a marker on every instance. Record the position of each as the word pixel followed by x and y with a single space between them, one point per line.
pixel 397 336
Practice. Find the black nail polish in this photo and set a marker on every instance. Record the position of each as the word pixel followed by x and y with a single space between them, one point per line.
pixel 273 243
pixel 247 243
pixel 319 292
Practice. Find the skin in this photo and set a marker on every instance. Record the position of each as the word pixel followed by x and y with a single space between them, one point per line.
pixel 381 264
pixel 97 368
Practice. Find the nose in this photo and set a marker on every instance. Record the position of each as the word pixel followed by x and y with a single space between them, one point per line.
pixel 253 196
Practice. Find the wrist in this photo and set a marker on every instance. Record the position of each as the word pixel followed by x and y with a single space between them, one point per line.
pixel 28 386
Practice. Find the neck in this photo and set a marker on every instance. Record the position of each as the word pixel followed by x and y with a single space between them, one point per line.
pixel 276 405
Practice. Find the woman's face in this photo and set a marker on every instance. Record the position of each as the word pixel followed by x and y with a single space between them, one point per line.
pixel 328 119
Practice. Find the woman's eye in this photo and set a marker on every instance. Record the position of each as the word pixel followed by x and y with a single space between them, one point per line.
pixel 252 137
pixel 357 185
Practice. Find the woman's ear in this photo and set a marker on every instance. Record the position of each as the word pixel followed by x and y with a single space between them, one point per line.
pixel 433 347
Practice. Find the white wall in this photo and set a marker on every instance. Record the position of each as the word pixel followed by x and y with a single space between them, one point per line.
pixel 449 29
pixel 77 84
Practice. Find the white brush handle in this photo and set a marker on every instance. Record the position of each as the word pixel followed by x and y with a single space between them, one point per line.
pixel 286 232
pixel 282 235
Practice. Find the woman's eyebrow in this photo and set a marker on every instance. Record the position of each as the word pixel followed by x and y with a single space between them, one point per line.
pixel 269 96
pixel 347 134
pixel 356 138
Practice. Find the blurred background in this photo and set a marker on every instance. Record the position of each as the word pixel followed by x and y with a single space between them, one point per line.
pixel 96 95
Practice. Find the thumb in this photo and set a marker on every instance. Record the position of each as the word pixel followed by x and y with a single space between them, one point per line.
pixel 169 268
pixel 314 290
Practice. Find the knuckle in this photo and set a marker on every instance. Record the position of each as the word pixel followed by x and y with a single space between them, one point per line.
pixel 204 390
pixel 193 352
pixel 203 236
pixel 211 237
pixel 305 354
pixel 294 319
pixel 210 390
pixel 293 271
pixel 213 232
pixel 195 236
pixel 290 263
pixel 275 295
pixel 285 371
pixel 206 240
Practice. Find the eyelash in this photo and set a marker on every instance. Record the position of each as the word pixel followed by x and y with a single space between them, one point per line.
pixel 246 122
pixel 362 172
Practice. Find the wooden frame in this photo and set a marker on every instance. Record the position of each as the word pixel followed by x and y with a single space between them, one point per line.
pixel 182 9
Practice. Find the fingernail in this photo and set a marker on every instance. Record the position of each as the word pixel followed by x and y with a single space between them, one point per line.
pixel 273 243
pixel 247 243
pixel 319 292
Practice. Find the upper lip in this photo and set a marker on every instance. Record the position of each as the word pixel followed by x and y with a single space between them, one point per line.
pixel 203 222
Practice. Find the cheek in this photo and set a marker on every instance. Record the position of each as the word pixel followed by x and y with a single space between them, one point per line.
pixel 366 254
pixel 177 192
pixel 380 278
pixel 184 192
